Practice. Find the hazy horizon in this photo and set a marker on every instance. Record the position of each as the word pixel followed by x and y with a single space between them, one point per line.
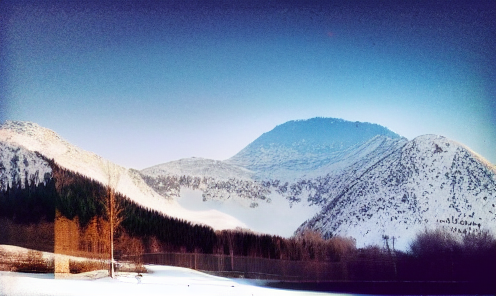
pixel 143 83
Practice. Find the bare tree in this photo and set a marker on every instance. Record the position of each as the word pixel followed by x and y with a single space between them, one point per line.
pixel 230 239
pixel 113 209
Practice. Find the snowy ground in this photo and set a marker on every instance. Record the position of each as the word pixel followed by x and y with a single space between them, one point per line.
pixel 161 280
pixel 274 218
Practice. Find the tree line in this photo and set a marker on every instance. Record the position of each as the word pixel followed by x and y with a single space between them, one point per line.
pixel 74 195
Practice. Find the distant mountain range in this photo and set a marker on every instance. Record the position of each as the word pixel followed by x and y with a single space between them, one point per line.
pixel 330 175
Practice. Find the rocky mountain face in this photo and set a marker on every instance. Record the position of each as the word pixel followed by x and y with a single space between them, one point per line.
pixel 430 182
pixel 19 166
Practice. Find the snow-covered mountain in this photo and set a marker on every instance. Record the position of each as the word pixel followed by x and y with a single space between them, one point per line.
pixel 430 182
pixel 199 167
pixel 18 164
pixel 21 141
pixel 203 184
pixel 340 178
pixel 337 177
pixel 300 146
pixel 286 174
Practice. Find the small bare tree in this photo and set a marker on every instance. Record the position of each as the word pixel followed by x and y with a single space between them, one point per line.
pixel 230 239
pixel 113 209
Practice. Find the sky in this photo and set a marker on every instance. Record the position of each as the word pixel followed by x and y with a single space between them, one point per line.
pixel 145 82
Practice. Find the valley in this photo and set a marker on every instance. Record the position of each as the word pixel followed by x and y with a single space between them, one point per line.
pixel 328 175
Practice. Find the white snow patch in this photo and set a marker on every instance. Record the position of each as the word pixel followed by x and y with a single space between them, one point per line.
pixel 199 167
pixel 159 281
pixel 276 217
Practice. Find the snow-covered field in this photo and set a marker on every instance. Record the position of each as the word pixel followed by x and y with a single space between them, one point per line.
pixel 161 280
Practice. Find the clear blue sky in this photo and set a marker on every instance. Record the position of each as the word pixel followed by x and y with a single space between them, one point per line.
pixel 142 83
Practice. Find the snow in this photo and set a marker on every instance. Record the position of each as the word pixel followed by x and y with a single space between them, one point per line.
pixel 357 188
pixel 305 145
pixel 275 218
pixel 32 137
pixel 431 182
pixel 199 167
pixel 159 281
pixel 15 161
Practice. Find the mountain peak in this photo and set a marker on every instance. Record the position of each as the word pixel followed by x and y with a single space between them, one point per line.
pixel 20 140
pixel 307 144
pixel 323 132
pixel 20 126
pixel 31 130
pixel 427 183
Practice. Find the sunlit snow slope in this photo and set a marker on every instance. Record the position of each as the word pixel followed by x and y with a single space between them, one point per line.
pixel 20 140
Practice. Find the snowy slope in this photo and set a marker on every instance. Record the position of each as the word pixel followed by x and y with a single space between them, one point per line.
pixel 305 145
pixel 327 182
pixel 199 167
pixel 160 280
pixel 430 182
pixel 31 137
pixel 258 205
pixel 365 186
pixel 18 164
pixel 274 217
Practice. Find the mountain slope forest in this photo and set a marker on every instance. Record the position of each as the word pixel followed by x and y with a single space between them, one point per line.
pixel 29 210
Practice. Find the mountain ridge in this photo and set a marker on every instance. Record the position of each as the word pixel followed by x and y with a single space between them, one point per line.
pixel 326 183
pixel 383 185
pixel 402 187
pixel 32 137
pixel 306 144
